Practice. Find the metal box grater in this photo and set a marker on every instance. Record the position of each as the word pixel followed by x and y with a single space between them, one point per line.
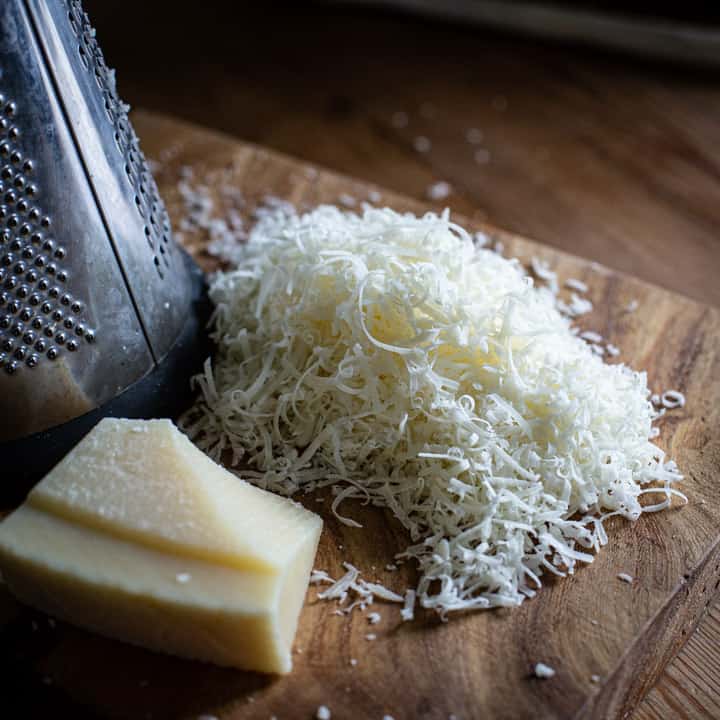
pixel 100 311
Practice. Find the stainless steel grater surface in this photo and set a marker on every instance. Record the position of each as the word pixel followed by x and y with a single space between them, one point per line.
pixel 99 309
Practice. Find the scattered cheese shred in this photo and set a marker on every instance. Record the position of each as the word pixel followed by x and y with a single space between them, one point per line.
pixel 408 611
pixel 541 270
pixel 625 578
pixel 323 713
pixel 672 399
pixel 591 336
pixel 575 284
pixel 576 307
pixel 387 356
pixel 363 591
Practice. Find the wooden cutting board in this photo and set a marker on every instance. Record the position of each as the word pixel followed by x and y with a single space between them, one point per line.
pixel 477 665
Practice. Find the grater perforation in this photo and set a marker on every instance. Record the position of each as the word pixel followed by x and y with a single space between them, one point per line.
pixel 99 312
pixel 26 274
pixel 156 223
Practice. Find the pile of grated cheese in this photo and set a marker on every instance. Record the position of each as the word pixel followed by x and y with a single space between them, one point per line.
pixel 388 356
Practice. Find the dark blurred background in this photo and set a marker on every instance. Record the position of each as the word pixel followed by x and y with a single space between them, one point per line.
pixel 613 154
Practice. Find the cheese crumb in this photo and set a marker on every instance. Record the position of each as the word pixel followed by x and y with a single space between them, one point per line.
pixel 474 135
pixel 374 618
pixel 353 661
pixel 595 678
pixel 371 636
pixel 625 577
pixel 543 671
pixel 323 713
pixel 438 191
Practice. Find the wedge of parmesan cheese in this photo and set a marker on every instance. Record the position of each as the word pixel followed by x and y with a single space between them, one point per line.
pixel 137 535
pixel 145 481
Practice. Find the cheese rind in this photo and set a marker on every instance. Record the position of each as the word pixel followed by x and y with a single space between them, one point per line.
pixel 104 578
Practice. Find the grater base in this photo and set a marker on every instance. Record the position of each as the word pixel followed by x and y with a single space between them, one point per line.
pixel 164 392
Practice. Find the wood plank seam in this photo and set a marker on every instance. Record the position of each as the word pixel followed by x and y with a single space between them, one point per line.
pixel 649 643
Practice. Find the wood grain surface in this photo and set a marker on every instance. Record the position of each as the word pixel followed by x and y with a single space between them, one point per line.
pixel 478 665
pixel 596 154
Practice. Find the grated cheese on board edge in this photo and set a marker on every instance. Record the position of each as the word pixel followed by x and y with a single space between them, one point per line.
pixel 387 356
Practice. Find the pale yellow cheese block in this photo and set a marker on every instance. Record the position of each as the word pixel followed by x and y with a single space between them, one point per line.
pixel 168 596
pixel 145 480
